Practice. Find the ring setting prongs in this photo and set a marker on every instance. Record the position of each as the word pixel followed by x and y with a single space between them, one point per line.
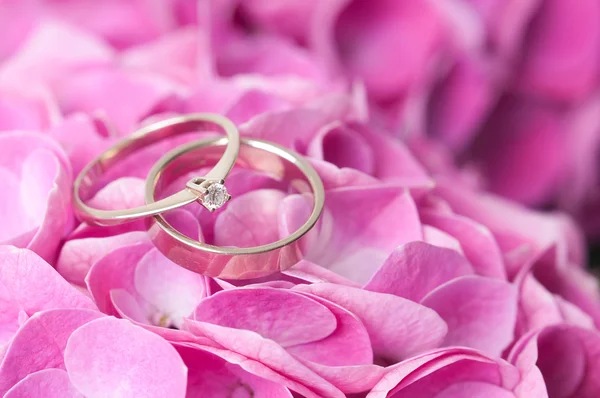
pixel 212 193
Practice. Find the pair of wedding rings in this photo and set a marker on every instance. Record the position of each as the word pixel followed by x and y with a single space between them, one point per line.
pixel 215 261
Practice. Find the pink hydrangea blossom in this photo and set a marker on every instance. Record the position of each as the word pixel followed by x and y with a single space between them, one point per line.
pixel 437 128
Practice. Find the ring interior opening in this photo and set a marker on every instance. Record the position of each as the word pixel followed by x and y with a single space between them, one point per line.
pixel 290 178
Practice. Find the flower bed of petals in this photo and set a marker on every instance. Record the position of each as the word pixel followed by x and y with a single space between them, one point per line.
pixel 438 128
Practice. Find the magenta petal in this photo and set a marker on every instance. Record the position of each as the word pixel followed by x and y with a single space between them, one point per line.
pixel 477 242
pixel 264 358
pixel 475 389
pixel 397 328
pixel 211 376
pixel 480 312
pixel 372 39
pixel 561 52
pixel 344 147
pixel 142 363
pixel 284 316
pixel 40 343
pixel 332 350
pixel 430 374
pixel 575 373
pixel 416 268
pixel 43 384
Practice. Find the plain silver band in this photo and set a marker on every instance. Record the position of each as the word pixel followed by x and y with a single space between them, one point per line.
pixel 151 134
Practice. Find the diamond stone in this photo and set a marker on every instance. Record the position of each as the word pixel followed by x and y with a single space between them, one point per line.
pixel 215 197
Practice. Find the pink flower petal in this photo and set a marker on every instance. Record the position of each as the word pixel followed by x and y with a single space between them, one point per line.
pixel 575 373
pixel 331 351
pixel 397 328
pixel 433 373
pixel 44 383
pixel 113 271
pixel 522 132
pixel 476 241
pixel 171 289
pixel 561 50
pixel 460 103
pixel 126 98
pixel 78 255
pixel 43 192
pixel 142 363
pixel 258 209
pixel 358 229
pixel 40 343
pixel 28 284
pixel 372 39
pixel 209 375
pixel 264 358
pixel 416 268
pixel 82 139
pixel 480 312
pixel 280 315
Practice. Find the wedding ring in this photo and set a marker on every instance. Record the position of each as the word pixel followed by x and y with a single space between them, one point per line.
pixel 233 262
pixel 202 189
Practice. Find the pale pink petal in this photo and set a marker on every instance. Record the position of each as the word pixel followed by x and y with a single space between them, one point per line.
pixel 179 55
pixel 416 268
pixel 249 220
pixel 141 365
pixel 27 285
pixel 39 62
pixel 82 139
pixel 40 343
pixel 21 110
pixel 125 98
pixel 44 383
pixel 437 237
pixel 280 315
pixel 209 375
pixel 397 328
pixel 480 312
pixel 113 271
pixel 171 289
pixel 358 230
pixel 42 194
pixel 78 255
